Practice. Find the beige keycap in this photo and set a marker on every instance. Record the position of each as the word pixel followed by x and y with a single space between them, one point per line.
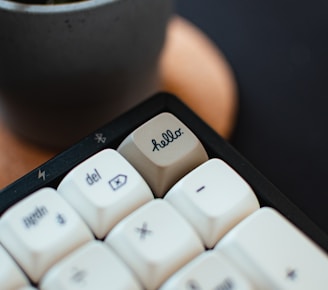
pixel 163 150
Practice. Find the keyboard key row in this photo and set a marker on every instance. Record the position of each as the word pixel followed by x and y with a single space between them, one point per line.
pixel 33 228
pixel 264 251
pixel 54 235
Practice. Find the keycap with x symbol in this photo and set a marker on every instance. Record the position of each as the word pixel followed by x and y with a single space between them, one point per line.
pixel 155 241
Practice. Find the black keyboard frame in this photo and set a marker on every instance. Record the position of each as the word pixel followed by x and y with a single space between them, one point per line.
pixel 52 172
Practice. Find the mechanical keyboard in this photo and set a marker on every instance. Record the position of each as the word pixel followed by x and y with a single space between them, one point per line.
pixel 155 199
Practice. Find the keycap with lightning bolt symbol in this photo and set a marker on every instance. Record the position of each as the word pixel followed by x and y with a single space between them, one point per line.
pixel 42 174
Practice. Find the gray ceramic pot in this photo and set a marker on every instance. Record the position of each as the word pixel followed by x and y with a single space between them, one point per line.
pixel 67 69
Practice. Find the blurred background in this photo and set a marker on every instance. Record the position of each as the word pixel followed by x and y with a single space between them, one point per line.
pixel 278 50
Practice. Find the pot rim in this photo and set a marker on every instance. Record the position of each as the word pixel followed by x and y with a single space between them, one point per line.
pixel 19 7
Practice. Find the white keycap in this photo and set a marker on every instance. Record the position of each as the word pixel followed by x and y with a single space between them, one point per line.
pixel 275 254
pixel 208 271
pixel 213 198
pixel 40 230
pixel 163 150
pixel 92 267
pixel 155 241
pixel 11 276
pixel 104 189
